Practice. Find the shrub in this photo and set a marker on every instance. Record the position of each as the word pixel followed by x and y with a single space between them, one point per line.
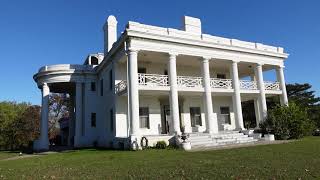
pixel 161 145
pixel 287 122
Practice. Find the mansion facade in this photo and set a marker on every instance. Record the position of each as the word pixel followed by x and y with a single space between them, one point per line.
pixel 154 82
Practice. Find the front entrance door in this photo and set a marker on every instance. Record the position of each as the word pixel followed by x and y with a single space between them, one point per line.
pixel 166 119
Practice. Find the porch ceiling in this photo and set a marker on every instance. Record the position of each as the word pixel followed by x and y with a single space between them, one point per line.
pixel 245 69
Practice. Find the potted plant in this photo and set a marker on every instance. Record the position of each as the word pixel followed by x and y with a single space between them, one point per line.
pixel 185 145
pixel 268 136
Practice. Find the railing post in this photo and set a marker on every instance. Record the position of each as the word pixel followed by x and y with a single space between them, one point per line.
pixel 263 103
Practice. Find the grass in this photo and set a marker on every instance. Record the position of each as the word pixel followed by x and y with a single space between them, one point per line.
pixel 7 154
pixel 298 159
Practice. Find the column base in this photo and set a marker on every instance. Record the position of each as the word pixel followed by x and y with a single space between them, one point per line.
pixel 41 144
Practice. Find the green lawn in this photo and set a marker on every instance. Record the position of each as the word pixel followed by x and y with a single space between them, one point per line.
pixel 299 159
pixel 6 154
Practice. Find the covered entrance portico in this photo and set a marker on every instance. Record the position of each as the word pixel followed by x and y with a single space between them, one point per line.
pixel 63 79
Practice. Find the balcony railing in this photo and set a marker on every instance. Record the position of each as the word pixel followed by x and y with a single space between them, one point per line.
pixel 221 83
pixel 189 81
pixel 121 86
pixel 157 80
pixel 153 80
pixel 248 85
pixel 268 85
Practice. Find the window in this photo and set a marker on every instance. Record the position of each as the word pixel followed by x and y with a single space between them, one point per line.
pixel 111 119
pixel 144 117
pixel 101 87
pixel 221 76
pixel 93 119
pixel 225 114
pixel 94 60
pixel 142 70
pixel 110 80
pixel 93 86
pixel 195 115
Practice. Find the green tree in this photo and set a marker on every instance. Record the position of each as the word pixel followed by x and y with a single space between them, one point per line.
pixel 18 124
pixel 288 122
pixel 302 95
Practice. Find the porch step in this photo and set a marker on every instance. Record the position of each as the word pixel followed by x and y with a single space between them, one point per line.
pixel 221 139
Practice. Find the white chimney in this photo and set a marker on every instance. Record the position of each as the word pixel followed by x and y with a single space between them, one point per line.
pixel 192 25
pixel 110 33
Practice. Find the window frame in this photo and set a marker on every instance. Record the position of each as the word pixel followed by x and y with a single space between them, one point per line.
pixel 194 114
pixel 111 120
pixel 93 86
pixel 147 116
pixel 224 76
pixel 101 87
pixel 225 114
pixel 110 79
pixel 93 119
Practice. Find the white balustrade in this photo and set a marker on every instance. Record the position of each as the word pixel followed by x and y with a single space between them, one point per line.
pixel 189 81
pixel 221 83
pixel 268 85
pixel 248 85
pixel 153 80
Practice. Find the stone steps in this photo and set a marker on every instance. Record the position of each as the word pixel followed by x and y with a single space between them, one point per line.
pixel 221 139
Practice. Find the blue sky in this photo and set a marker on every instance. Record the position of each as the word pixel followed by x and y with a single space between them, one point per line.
pixel 36 33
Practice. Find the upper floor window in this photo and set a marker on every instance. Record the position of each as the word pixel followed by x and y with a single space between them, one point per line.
pixel 221 76
pixel 144 117
pixel 110 80
pixel 93 119
pixel 94 60
pixel 93 86
pixel 142 70
pixel 101 87
pixel 195 116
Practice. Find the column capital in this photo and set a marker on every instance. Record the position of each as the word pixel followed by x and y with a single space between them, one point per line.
pixel 132 50
pixel 206 58
pixel 235 61
pixel 280 67
pixel 44 85
pixel 173 54
pixel 259 64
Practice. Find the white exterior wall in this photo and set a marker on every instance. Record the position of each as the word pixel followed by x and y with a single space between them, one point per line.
pixel 159 68
pixel 106 103
pixel 223 101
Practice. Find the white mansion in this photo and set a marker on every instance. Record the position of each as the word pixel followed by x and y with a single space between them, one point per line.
pixel 152 82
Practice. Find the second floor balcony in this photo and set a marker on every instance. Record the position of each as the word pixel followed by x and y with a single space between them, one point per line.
pixel 191 83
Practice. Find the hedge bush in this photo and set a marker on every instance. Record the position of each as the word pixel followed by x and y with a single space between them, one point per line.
pixel 288 122
pixel 161 145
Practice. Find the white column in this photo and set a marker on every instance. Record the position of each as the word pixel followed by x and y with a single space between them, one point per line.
pixel 43 142
pixel 133 92
pixel 256 105
pixel 78 120
pixel 257 111
pixel 71 121
pixel 211 121
pixel 280 77
pixel 262 97
pixel 174 102
pixel 236 96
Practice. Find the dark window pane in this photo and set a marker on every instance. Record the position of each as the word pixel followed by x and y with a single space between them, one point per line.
pixel 144 117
